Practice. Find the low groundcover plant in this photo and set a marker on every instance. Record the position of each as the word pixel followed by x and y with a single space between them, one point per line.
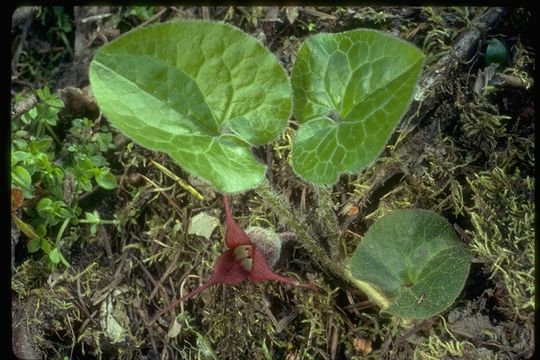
pixel 206 92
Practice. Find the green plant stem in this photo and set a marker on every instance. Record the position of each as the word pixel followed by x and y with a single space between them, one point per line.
pixel 53 134
pixel 283 211
pixel 179 180
pixel 101 222
pixel 61 231
pixel 372 293
pixel 326 216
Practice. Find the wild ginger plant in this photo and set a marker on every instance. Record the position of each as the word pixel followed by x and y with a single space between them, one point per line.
pixel 205 93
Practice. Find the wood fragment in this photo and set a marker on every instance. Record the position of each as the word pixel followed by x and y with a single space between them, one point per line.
pixel 22 17
pixel 206 13
pixel 23 107
pixel 312 11
pixel 506 80
pixel 463 49
pixel 152 19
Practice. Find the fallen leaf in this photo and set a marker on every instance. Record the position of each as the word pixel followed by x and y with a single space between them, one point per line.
pixel 16 199
pixel 203 225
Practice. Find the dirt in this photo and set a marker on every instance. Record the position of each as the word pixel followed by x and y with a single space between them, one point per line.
pixel 466 155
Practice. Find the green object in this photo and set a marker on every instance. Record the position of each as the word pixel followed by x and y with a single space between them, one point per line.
pixel 203 225
pixel 34 245
pixel 350 91
pixel 201 91
pixel 52 211
pixel 175 328
pixel 21 177
pixel 496 52
pixel 105 179
pixel 415 260
pixel 54 256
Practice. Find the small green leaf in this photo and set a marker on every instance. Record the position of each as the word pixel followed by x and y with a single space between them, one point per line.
pixel 203 225
pixel 54 256
pixel 20 177
pixel 30 116
pixel 85 166
pixel 98 160
pixel 45 246
pixel 51 119
pixel 93 217
pixel 415 259
pixel 40 146
pixel 17 156
pixel 45 207
pixel 34 245
pixel 27 229
pixel 177 227
pixel 84 183
pixel 41 230
pixel 106 180
pixel 44 93
pixel 200 91
pixel 19 143
pixel 63 212
pixel 350 91
pixel 175 328
pixel 49 98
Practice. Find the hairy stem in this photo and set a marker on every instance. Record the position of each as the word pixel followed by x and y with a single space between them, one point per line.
pixel 284 212
pixel 326 216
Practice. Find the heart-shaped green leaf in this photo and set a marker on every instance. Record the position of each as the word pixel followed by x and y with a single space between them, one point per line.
pixel 200 91
pixel 350 91
pixel 415 260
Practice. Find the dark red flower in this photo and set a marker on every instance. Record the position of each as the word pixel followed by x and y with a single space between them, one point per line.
pixel 241 261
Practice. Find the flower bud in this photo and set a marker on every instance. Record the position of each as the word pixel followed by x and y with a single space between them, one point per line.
pixel 267 242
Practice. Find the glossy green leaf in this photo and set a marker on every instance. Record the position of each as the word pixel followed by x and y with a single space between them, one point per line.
pixel 106 180
pixel 202 92
pixel 45 207
pixel 92 217
pixel 17 156
pixel 20 177
pixel 350 91
pixel 84 183
pixel 415 259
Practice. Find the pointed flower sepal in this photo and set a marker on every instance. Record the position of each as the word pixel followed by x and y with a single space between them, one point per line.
pixel 241 261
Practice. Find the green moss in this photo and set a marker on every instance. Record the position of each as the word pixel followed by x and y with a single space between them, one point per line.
pixel 441 343
pixel 503 234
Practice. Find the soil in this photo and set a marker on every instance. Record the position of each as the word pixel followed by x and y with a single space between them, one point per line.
pixel 465 150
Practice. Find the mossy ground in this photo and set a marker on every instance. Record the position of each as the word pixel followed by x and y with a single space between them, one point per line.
pixel 474 165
